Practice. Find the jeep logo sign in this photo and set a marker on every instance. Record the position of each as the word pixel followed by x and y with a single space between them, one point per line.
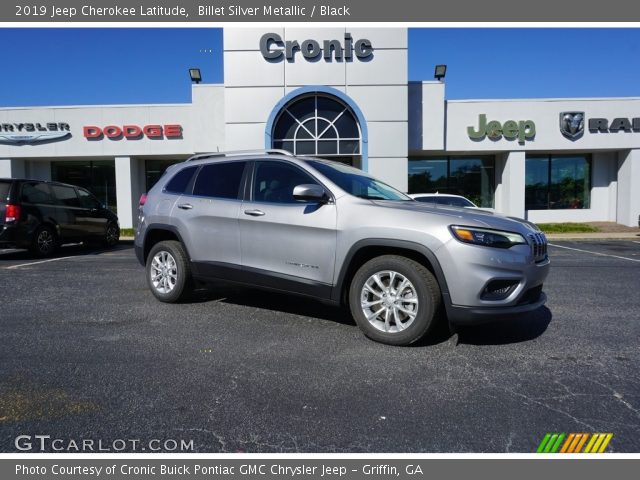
pixel 274 48
pixel 510 129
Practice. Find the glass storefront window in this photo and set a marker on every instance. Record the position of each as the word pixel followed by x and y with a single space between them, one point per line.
pixel 557 182
pixel 99 177
pixel 471 177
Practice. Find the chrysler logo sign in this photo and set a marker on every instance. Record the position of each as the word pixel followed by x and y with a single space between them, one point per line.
pixel 33 133
pixel 572 124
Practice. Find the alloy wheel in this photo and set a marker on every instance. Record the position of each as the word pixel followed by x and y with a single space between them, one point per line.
pixel 45 242
pixel 163 272
pixel 389 301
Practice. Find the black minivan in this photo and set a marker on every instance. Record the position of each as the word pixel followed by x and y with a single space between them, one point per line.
pixel 41 216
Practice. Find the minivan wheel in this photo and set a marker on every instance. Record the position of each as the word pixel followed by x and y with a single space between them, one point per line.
pixel 45 242
pixel 394 299
pixel 112 235
pixel 168 272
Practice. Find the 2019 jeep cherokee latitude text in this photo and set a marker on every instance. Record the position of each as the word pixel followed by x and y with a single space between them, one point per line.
pixel 326 230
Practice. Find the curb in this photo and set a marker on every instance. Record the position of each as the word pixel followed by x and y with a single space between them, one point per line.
pixel 594 236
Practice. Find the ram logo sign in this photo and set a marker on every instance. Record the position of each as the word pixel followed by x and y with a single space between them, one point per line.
pixel 572 124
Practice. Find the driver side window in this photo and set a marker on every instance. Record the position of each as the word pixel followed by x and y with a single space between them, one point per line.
pixel 275 181
pixel 87 200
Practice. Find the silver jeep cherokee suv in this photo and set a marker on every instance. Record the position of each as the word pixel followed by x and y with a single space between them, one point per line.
pixel 329 231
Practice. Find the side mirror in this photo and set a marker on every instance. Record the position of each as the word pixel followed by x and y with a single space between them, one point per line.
pixel 310 193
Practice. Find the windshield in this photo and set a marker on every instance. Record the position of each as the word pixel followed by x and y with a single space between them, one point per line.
pixel 357 183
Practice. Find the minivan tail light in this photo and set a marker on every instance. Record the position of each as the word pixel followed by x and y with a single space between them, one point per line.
pixel 12 213
pixel 143 199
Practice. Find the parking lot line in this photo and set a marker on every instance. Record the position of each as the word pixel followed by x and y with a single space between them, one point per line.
pixel 36 263
pixel 596 253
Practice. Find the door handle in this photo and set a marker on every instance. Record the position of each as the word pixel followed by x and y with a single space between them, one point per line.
pixel 185 206
pixel 254 213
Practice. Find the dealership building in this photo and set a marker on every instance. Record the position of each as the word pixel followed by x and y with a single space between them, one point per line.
pixel 344 93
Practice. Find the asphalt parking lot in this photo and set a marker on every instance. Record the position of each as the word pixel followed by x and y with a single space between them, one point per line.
pixel 88 353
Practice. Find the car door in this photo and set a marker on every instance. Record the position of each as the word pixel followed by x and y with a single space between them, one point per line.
pixel 93 221
pixel 207 218
pixel 68 212
pixel 286 243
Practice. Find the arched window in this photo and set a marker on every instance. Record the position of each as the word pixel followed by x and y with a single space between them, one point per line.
pixel 317 125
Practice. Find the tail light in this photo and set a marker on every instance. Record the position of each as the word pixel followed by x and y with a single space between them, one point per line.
pixel 143 199
pixel 12 213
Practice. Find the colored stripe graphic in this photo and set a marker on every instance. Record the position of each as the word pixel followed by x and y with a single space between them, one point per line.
pixel 582 441
pixel 573 442
pixel 543 443
pixel 568 442
pixel 555 447
pixel 606 441
pixel 592 440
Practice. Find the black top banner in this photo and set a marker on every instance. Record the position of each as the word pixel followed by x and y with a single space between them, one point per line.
pixel 330 11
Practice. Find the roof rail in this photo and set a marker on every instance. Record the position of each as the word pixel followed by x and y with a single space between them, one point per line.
pixel 233 153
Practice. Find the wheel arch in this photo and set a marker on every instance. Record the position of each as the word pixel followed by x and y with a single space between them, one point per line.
pixel 365 250
pixel 48 222
pixel 158 232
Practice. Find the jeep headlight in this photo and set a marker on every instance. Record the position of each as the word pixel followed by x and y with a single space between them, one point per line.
pixel 487 237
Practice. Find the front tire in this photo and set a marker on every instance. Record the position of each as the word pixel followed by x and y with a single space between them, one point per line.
pixel 394 299
pixel 169 272
pixel 112 235
pixel 45 242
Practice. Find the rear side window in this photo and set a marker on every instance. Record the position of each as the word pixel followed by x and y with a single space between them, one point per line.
pixel 181 180
pixel 4 191
pixel 219 180
pixel 65 196
pixel 36 193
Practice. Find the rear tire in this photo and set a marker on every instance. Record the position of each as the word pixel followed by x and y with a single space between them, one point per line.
pixel 45 242
pixel 169 272
pixel 394 299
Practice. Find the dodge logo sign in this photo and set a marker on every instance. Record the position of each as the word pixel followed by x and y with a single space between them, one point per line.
pixel 572 124
pixel 132 132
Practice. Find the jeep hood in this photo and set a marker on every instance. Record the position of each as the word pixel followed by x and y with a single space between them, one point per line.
pixel 464 216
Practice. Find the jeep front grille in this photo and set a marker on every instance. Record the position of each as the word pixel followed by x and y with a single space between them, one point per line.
pixel 538 246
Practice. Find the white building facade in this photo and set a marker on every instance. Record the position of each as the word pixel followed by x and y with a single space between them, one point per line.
pixel 344 93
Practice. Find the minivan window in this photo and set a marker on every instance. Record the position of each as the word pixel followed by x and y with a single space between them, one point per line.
pixel 4 191
pixel 36 192
pixel 65 195
pixel 219 180
pixel 87 200
pixel 275 182
pixel 181 180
